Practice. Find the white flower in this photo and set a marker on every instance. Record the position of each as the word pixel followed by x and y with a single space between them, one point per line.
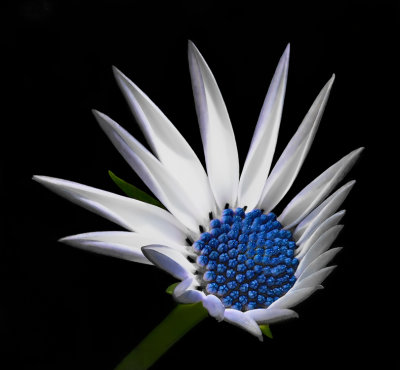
pixel 247 269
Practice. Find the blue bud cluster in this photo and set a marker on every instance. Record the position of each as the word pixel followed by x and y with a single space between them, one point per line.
pixel 246 259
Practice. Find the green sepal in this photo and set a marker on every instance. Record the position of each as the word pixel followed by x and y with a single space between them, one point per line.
pixel 171 288
pixel 133 192
pixel 266 331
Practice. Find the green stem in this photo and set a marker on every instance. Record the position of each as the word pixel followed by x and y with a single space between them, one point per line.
pixel 181 319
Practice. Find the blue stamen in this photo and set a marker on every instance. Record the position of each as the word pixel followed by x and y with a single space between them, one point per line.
pixel 247 259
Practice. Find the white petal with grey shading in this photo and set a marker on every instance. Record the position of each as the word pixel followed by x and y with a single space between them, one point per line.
pixel 319 263
pixel 321 245
pixel 170 260
pixel 269 316
pixel 317 190
pixel 292 298
pixel 322 212
pixel 120 244
pixel 262 147
pixel 314 279
pixel 216 131
pixel 131 214
pixel 238 318
pixel 288 166
pixel 153 173
pixel 169 145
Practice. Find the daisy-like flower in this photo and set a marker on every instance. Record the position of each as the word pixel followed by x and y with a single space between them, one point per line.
pixel 218 234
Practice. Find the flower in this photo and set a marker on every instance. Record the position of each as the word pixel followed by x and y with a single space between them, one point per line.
pixel 246 268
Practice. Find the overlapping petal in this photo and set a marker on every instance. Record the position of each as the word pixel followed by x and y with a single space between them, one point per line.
pixel 216 131
pixel 129 213
pixel 238 318
pixel 289 163
pixel 262 147
pixel 169 146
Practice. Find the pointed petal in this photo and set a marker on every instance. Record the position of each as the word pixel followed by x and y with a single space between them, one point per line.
pixel 216 131
pixel 313 237
pixel 129 213
pixel 120 244
pixel 239 319
pixel 304 202
pixel 169 260
pixel 214 306
pixel 169 145
pixel 320 246
pixel 319 263
pixel 288 165
pixel 152 172
pixel 322 212
pixel 314 279
pixel 262 148
pixel 269 316
pixel 292 298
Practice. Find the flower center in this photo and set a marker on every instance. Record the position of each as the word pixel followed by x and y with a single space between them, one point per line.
pixel 246 259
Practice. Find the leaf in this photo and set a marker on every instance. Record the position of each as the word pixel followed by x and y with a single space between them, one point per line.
pixel 171 288
pixel 266 331
pixel 133 192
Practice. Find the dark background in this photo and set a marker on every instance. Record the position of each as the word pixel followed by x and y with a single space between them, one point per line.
pixel 66 309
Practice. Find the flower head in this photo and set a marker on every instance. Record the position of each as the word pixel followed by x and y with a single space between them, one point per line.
pixel 218 234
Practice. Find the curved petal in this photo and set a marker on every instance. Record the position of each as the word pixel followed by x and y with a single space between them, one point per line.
pixel 292 298
pixel 169 145
pixel 304 202
pixel 216 131
pixel 314 279
pixel 169 260
pixel 321 245
pixel 270 316
pixel 190 296
pixel 319 263
pixel 129 213
pixel 183 287
pixel 322 212
pixel 288 165
pixel 152 172
pixel 258 162
pixel 239 319
pixel 214 306
pixel 120 244
pixel 311 238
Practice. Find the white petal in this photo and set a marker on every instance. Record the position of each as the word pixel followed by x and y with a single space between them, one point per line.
pixel 322 212
pixel 304 202
pixel 183 286
pixel 314 279
pixel 120 244
pixel 269 316
pixel 216 131
pixel 320 246
pixel 288 165
pixel 190 296
pixel 152 172
pixel 214 306
pixel 169 145
pixel 169 260
pixel 262 148
pixel 239 319
pixel 129 213
pixel 319 263
pixel 292 298
pixel 312 237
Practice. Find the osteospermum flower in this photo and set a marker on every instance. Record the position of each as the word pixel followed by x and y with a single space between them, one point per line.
pixel 218 234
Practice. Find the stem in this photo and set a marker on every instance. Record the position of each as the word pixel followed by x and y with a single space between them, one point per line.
pixel 180 320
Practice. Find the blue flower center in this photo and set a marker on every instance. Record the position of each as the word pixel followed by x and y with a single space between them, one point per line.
pixel 246 259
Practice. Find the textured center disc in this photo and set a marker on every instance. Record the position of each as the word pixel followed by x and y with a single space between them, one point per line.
pixel 246 259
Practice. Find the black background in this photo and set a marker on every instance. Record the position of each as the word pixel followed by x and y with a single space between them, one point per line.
pixel 66 309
